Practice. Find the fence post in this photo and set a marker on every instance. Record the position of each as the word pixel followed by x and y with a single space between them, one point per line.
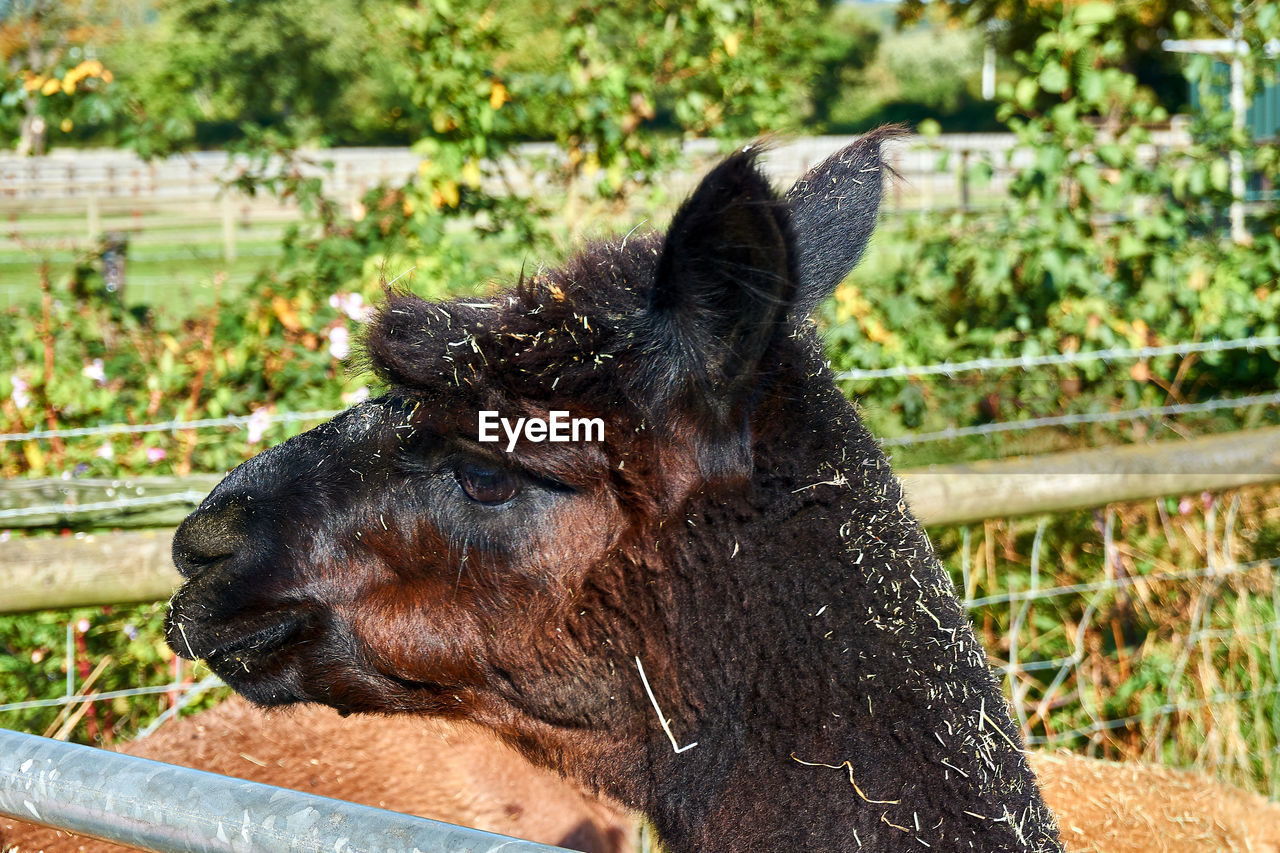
pixel 964 180
pixel 95 220
pixel 228 229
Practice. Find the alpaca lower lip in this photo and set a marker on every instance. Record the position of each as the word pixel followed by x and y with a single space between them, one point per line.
pixel 246 646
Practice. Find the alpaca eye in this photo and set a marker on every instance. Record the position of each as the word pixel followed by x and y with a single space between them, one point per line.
pixel 489 486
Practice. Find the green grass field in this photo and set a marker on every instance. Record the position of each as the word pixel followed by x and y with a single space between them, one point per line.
pixel 172 259
pixel 170 282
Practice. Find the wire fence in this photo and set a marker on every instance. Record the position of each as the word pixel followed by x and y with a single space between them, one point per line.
pixel 983 365
pixel 1148 661
pixel 265 418
pixel 1079 419
pixel 1028 362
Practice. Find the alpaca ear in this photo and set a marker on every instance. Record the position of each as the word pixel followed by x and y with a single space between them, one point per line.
pixel 833 209
pixel 724 286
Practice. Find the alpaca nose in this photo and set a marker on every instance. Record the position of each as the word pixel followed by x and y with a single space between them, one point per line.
pixel 208 536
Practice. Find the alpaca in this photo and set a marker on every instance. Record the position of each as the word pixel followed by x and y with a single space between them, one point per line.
pixel 455 773
pixel 1111 807
pixel 736 552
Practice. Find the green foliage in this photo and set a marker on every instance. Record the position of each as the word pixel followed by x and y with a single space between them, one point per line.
pixel 847 43
pixel 608 82
pixel 1098 244
pixel 309 70
pixel 261 350
pixel 728 67
pixel 928 70
pixel 1136 28
pixel 128 640
pixel 49 78
pixel 586 75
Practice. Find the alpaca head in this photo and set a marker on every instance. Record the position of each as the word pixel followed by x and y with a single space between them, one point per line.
pixel 390 560
pixel 720 514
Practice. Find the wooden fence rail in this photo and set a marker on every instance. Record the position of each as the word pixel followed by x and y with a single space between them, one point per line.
pixel 134 565
pixel 68 201
pixel 57 503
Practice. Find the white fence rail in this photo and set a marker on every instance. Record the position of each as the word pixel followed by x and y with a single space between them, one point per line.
pixel 103 186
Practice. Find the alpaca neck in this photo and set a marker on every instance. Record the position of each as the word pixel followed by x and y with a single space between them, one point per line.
pixel 828 673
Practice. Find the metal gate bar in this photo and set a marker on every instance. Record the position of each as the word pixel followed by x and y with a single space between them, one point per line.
pixel 161 807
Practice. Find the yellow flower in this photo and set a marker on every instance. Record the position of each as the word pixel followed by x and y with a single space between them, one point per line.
pixel 66 125
pixel 731 42
pixel 498 95
pixel 850 304
pixel 33 82
pixel 876 332
pixel 1141 332
pixel 471 173
pixel 35 456
pixel 445 194
pixel 449 192
pixel 50 86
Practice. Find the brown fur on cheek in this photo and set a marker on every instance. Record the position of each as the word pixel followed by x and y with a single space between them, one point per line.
pixel 413 641
pixel 398 607
pixel 426 654
pixel 574 537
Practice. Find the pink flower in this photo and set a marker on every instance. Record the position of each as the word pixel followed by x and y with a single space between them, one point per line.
pixel 106 451
pixel 339 342
pixel 21 396
pixel 95 372
pixel 1184 506
pixel 155 454
pixel 352 304
pixel 82 626
pixel 258 423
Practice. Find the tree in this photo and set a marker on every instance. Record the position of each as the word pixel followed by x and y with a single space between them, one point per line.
pixel 1014 25
pixel 314 71
pixel 47 48
pixel 847 44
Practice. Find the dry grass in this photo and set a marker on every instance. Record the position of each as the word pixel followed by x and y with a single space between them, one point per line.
pixel 1170 653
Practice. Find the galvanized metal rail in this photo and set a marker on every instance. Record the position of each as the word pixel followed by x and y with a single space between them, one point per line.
pixel 160 807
